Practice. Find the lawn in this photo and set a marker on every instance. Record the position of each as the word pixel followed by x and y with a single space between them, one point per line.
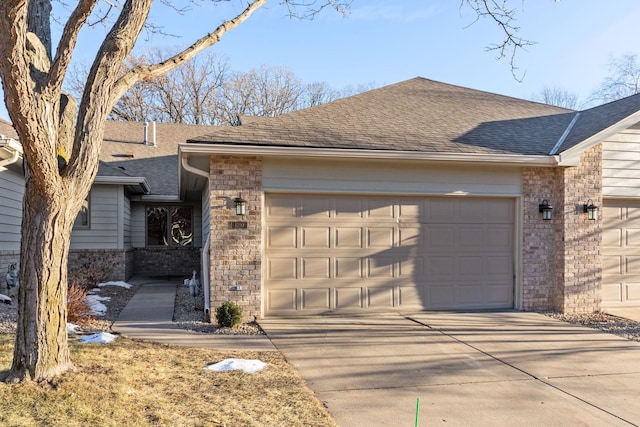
pixel 136 383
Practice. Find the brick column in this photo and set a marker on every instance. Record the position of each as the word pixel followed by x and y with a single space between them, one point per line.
pixel 561 257
pixel 582 270
pixel 236 253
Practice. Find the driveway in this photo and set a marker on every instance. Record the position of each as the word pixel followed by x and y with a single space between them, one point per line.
pixel 480 369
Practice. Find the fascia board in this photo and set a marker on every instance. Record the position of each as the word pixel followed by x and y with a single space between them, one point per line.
pixel 275 151
pixel 123 180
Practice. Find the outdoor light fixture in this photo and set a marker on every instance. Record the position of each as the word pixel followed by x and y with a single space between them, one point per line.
pixel 545 209
pixel 591 210
pixel 241 205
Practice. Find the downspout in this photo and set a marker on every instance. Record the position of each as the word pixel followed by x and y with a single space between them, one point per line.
pixel 204 253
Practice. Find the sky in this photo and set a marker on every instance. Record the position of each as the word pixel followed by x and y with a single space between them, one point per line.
pixel 382 42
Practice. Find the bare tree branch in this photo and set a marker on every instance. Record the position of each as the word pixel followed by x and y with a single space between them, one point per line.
pixel 141 73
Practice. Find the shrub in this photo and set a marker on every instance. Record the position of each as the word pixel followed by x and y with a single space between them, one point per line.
pixel 77 305
pixel 229 314
pixel 88 275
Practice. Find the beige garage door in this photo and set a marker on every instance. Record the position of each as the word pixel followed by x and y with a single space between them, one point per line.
pixel 621 253
pixel 355 253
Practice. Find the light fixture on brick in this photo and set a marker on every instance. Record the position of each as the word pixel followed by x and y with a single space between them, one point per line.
pixel 241 205
pixel 591 210
pixel 545 209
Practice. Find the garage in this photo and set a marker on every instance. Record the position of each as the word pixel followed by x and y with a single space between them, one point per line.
pixel 621 253
pixel 357 253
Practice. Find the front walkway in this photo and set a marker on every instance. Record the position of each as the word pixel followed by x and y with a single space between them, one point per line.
pixel 149 316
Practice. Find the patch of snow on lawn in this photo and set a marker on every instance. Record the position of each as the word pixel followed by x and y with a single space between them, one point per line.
pixel 101 338
pixel 95 304
pixel 246 365
pixel 121 284
pixel 5 299
pixel 73 329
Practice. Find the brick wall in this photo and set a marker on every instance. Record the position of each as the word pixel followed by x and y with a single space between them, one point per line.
pixel 582 271
pixel 116 262
pixel 541 251
pixel 236 253
pixel 167 261
pixel 561 257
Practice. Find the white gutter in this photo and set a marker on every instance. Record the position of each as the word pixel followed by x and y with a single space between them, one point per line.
pixel 13 147
pixel 262 150
pixel 186 166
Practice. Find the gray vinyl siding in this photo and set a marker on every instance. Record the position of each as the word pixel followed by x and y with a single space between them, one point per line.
pixel 105 230
pixel 621 164
pixel 11 194
pixel 126 222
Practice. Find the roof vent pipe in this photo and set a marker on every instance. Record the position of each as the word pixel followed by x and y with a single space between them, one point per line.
pixel 153 133
pixel 146 132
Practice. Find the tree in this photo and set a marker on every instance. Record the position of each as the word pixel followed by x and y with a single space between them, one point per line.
pixel 623 80
pixel 557 96
pixel 47 119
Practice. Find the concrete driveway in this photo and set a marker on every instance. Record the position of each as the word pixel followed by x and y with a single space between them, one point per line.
pixel 479 369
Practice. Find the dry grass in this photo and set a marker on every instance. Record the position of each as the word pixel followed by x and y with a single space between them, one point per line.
pixel 134 383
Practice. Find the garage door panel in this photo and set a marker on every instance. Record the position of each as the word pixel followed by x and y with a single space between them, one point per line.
pixel 612 237
pixel 349 207
pixel 380 208
pixel 282 268
pixel 282 299
pixel 316 299
pixel 282 237
pixel 316 268
pixel 348 297
pixel 611 265
pixel 380 267
pixel 281 207
pixel 380 237
pixel 316 237
pixel 314 208
pixel 410 297
pixel 380 298
pixel 633 237
pixel 633 292
pixel 348 237
pixel 386 253
pixel 632 265
pixel 348 268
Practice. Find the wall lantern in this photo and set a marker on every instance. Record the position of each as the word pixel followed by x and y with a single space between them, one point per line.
pixel 241 205
pixel 591 210
pixel 545 209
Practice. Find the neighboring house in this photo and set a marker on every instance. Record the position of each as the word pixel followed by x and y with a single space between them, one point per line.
pixel 134 220
pixel 423 196
pixel 415 196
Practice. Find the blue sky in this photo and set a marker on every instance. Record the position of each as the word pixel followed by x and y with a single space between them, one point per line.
pixel 384 42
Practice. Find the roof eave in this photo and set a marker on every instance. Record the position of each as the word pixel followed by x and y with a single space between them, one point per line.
pixel 131 181
pixel 278 151
pixel 571 156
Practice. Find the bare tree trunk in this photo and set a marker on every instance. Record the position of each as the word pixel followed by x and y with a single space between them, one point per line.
pixel 41 349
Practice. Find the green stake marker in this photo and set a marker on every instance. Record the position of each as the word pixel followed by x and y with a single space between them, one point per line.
pixel 417 410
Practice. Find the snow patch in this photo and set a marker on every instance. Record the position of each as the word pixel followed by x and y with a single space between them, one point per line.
pixel 5 299
pixel 250 366
pixel 96 305
pixel 73 329
pixel 101 338
pixel 121 284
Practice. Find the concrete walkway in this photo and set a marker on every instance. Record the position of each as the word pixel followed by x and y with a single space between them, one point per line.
pixel 480 369
pixel 149 316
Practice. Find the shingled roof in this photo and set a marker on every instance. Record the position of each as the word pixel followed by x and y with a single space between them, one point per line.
pixel 126 154
pixel 415 115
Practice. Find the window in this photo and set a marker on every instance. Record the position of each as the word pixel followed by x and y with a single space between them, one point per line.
pixel 82 220
pixel 169 226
